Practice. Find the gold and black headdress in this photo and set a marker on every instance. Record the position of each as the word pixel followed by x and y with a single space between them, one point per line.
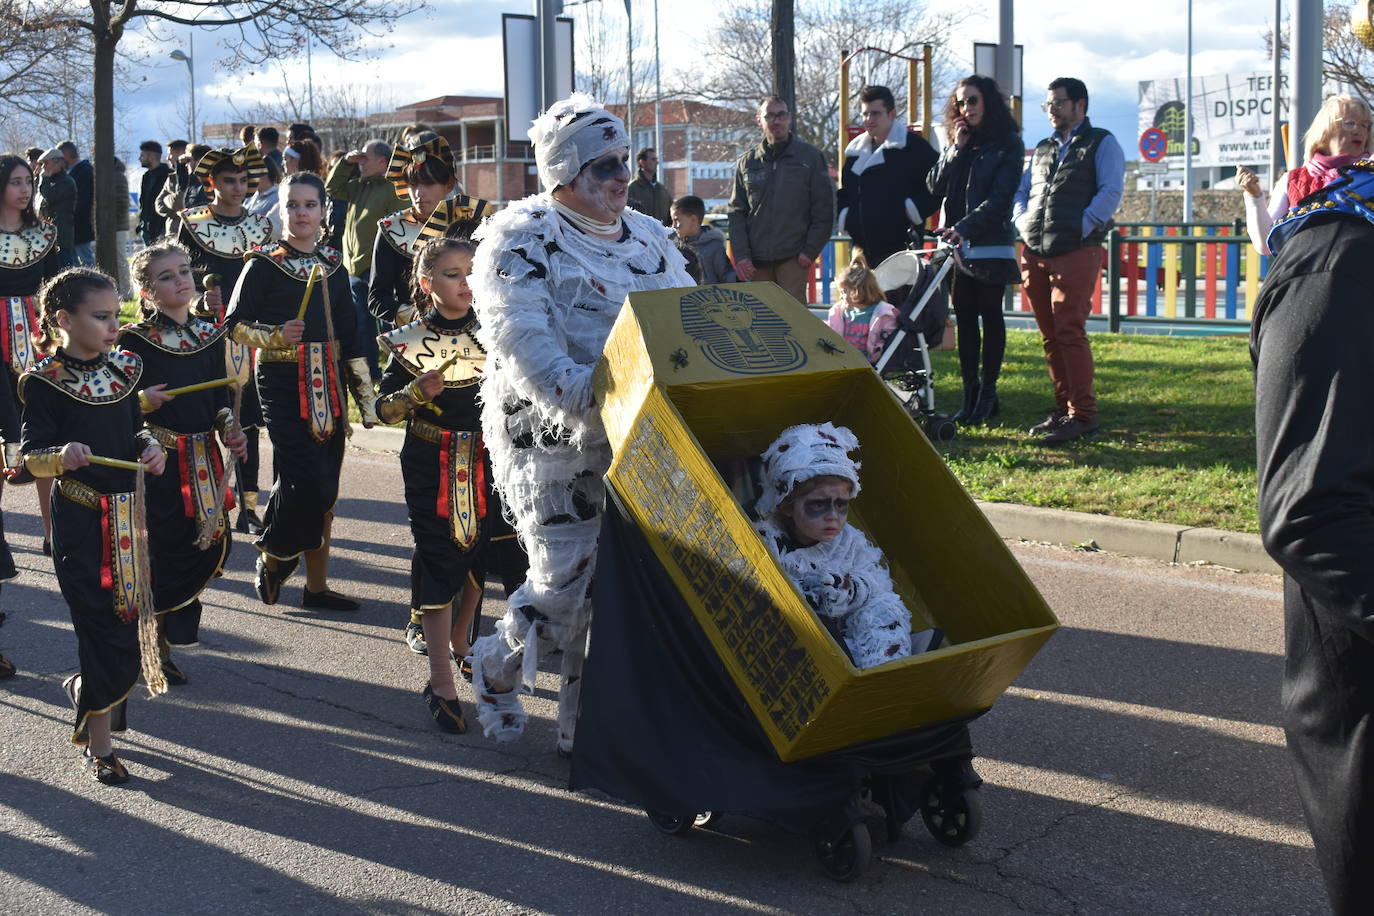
pixel 456 215
pixel 248 158
pixel 400 158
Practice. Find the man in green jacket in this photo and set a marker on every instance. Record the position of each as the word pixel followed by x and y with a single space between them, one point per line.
pixel 647 193
pixel 360 179
pixel 783 206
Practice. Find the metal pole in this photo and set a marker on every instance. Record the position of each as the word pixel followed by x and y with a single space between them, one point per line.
pixel 548 53
pixel 844 109
pixel 1306 82
pixel 785 54
pixel 191 65
pixel 630 72
pixel 927 90
pixel 1188 126
pixel 1006 80
pixel 1276 144
pixel 658 97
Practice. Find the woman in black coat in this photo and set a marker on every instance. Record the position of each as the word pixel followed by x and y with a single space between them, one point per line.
pixel 976 178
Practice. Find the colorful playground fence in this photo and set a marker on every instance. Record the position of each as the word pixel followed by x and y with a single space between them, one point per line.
pixel 1199 273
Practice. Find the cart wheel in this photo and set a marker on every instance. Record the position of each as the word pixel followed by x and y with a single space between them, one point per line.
pixel 943 430
pixel 671 824
pixel 953 816
pixel 706 820
pixel 845 858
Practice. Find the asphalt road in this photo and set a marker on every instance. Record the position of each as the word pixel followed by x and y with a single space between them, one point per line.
pixel 1136 767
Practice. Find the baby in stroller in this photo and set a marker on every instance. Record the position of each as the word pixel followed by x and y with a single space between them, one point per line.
pixel 863 315
pixel 808 480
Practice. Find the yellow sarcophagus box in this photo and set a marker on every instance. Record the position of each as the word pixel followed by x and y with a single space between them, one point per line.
pixel 695 378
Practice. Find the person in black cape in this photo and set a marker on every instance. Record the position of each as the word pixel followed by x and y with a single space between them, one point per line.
pixel 301 366
pixel 218 235
pixel 28 257
pixel 187 505
pixel 1311 338
pixel 80 403
pixel 431 382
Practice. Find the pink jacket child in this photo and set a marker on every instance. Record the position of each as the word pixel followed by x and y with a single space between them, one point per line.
pixel 862 315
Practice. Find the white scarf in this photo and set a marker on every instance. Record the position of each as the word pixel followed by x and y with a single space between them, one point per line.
pixel 586 223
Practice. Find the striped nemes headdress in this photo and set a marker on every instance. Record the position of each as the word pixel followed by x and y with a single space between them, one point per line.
pixel 401 157
pixel 248 158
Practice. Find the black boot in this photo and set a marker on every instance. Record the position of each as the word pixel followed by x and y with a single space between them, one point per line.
pixel 988 405
pixel 965 413
pixel 8 570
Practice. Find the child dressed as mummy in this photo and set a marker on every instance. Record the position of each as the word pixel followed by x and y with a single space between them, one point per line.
pixel 548 282
pixel 808 480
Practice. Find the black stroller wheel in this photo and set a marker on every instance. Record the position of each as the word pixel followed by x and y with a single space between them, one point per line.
pixel 706 820
pixel 671 824
pixel 941 429
pixel 844 858
pixel 953 815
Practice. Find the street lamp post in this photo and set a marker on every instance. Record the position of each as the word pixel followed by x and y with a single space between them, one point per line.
pixel 180 55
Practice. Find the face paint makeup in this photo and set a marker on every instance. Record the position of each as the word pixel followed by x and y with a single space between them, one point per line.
pixel 610 167
pixel 816 509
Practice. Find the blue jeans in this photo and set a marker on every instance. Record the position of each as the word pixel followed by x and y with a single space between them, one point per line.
pixel 367 325
pixel 85 254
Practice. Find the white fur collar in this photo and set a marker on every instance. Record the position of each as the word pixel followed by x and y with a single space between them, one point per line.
pixel 866 155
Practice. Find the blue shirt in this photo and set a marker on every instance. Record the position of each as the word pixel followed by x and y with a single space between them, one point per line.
pixel 1111 176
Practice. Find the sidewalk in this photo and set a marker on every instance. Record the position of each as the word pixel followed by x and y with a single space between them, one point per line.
pixel 1170 543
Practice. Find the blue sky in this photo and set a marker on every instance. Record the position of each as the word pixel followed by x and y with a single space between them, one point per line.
pixel 454 47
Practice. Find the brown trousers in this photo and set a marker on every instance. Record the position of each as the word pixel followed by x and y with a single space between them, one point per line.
pixel 1060 290
pixel 788 274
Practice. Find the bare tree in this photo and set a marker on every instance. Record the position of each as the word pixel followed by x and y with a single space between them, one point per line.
pixel 1345 59
pixel 737 69
pixel 262 30
pixel 340 111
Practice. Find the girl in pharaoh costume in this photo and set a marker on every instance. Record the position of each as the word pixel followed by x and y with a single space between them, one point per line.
pixel 187 505
pixel 28 256
pixel 431 383
pixel 304 333
pixel 549 280
pixel 424 172
pixel 80 414
pixel 218 236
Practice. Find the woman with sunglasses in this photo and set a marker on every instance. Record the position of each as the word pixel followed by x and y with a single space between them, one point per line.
pixel 976 178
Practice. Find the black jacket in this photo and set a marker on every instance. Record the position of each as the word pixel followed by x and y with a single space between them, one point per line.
pixel 152 224
pixel 1314 381
pixel 876 195
pixel 84 176
pixel 58 194
pixel 976 186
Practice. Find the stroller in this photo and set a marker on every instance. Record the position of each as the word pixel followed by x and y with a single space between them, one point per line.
pixel 914 280
pixel 710 685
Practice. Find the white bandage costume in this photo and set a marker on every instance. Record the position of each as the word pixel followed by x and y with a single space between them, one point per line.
pixel 844 580
pixel 547 294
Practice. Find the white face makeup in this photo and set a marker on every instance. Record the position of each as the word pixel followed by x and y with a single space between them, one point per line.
pixel 601 189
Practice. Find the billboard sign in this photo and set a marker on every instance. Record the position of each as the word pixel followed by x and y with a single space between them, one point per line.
pixel 1233 116
pixel 520 38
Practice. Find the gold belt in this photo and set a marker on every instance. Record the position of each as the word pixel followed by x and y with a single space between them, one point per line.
pixel 282 355
pixel 427 431
pixel 79 493
pixel 169 438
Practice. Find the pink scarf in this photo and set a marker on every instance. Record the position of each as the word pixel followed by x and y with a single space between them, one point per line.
pixel 1319 171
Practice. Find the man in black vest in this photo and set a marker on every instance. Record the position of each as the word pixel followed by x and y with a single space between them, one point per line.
pixel 1063 210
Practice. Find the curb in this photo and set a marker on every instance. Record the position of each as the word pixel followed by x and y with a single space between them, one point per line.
pixel 1156 540
pixel 1170 543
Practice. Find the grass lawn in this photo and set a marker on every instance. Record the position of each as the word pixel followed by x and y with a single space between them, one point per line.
pixel 1177 442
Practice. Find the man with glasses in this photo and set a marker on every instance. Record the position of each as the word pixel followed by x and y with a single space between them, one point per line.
pixel 1063 210
pixel 783 205
pixel 883 186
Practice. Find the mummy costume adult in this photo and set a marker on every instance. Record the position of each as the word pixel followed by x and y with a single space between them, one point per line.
pixel 844 580
pixel 547 292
